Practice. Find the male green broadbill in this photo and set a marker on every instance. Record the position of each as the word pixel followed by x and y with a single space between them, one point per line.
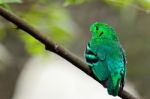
pixel 106 58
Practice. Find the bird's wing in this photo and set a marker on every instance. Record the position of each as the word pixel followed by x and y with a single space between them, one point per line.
pixel 116 64
pixel 124 56
pixel 123 74
pixel 96 61
pixel 100 68
pixel 101 54
pixel 91 57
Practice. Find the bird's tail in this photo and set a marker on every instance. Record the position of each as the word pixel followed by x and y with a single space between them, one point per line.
pixel 114 82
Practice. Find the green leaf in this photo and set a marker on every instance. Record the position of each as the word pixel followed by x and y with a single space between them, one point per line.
pixel 53 20
pixel 145 4
pixel 68 2
pixel 4 3
pixel 119 3
pixel 31 44
pixel 10 1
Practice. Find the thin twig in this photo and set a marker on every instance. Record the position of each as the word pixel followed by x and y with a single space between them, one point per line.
pixel 54 47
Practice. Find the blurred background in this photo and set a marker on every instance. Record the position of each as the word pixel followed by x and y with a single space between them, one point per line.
pixel 28 71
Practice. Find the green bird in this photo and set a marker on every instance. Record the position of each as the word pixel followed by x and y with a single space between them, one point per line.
pixel 106 57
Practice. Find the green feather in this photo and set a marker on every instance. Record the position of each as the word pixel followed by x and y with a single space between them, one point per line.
pixel 106 57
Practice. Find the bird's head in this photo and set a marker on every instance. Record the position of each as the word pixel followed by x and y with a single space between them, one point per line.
pixel 102 31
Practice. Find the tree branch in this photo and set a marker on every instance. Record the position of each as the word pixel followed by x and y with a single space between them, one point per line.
pixel 54 47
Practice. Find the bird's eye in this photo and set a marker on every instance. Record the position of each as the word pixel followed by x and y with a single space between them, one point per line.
pixel 97 28
pixel 101 34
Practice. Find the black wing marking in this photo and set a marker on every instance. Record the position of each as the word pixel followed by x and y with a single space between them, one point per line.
pixel 123 73
pixel 88 53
